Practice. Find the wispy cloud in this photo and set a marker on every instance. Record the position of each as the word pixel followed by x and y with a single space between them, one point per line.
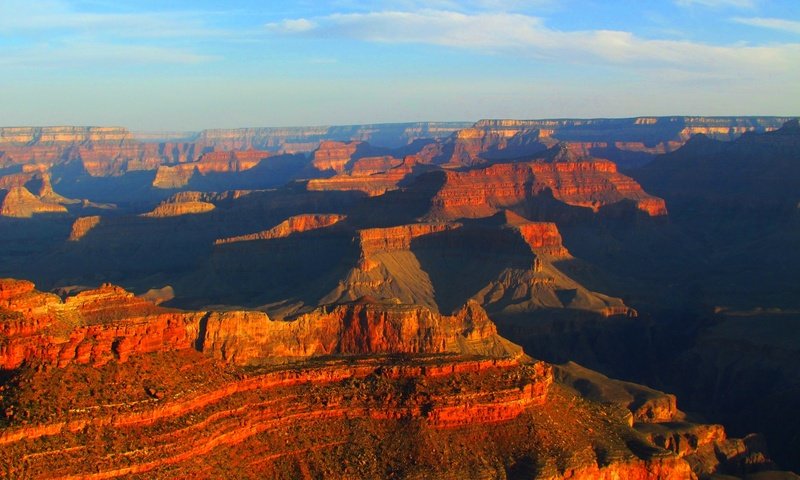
pixel 771 23
pixel 717 3
pixel 79 38
pixel 527 36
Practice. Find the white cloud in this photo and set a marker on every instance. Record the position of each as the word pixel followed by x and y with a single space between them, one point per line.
pixel 84 38
pixel 292 26
pixel 524 36
pixel 771 23
pixel 717 3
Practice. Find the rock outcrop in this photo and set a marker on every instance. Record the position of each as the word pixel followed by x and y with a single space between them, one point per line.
pixel 93 327
pixel 543 237
pixel 577 182
pixel 68 135
pixel 364 327
pixel 178 176
pixel 333 155
pixel 81 226
pixel 155 389
pixel 176 209
pixel 20 202
pixel 371 175
pixel 377 240
pixel 97 326
pixel 628 141
pixel 292 225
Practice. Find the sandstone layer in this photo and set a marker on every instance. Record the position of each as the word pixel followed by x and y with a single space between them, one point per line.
pixel 592 184
pixel 20 202
pixel 146 391
pixel 81 226
pixel 292 225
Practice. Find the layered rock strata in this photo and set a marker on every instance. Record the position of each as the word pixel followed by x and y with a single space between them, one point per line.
pixel 292 225
pixel 97 326
pixel 138 390
pixel 21 203
pixel 591 184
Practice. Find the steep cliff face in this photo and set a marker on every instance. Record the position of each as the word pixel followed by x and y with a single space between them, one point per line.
pixel 176 209
pixel 178 176
pixel 93 327
pixel 371 175
pixel 21 203
pixel 543 237
pixel 143 390
pixel 97 326
pixel 292 225
pixel 69 135
pixel 584 183
pixel 81 226
pixel 505 263
pixel 387 269
pixel 359 328
pixel 378 240
pixel 35 180
pixel 469 144
pixel 628 141
pixel 334 155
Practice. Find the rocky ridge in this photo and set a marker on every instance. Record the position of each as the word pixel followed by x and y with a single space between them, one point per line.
pixel 292 225
pixel 592 184
pixel 168 388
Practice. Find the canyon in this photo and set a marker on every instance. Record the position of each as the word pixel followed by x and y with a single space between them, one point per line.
pixel 441 392
pixel 426 300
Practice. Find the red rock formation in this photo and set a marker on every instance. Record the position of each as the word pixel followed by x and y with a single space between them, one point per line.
pixel 366 176
pixel 235 161
pixel 178 176
pixel 93 327
pixel 209 197
pixel 470 143
pixel 374 240
pixel 21 203
pixel 175 209
pixel 592 184
pixel 333 155
pixel 12 289
pixel 231 413
pixel 81 226
pixel 619 138
pixel 373 165
pixel 7 182
pixel 358 328
pixel 174 176
pixel 108 323
pixel 543 237
pixel 292 225
pixel 189 202
pixel 131 393
pixel 68 135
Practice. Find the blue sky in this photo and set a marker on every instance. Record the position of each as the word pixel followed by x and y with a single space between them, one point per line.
pixel 203 64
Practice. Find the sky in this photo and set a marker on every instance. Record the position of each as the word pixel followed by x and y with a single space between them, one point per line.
pixel 187 65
